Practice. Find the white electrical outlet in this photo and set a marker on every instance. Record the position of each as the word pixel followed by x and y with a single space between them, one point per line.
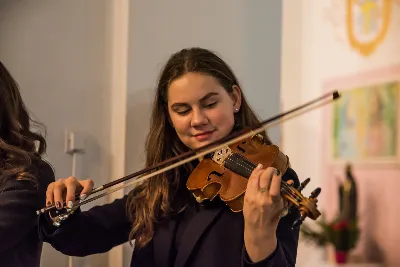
pixel 67 142
pixel 73 142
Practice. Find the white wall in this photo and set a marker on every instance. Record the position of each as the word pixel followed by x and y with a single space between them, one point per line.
pixel 315 51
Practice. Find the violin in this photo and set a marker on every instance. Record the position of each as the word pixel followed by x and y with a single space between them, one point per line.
pixel 225 173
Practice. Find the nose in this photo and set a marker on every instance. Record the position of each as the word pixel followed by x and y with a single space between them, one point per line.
pixel 198 118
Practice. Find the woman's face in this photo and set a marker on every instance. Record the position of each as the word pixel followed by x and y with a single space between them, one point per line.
pixel 201 110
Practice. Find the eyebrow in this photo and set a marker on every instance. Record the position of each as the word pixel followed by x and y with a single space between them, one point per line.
pixel 202 99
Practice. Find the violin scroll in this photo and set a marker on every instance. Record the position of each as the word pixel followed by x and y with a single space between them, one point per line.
pixel 307 206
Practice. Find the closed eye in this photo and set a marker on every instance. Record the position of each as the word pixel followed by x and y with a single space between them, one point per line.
pixel 211 105
pixel 182 112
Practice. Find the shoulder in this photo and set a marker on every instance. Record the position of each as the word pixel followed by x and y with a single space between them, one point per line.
pixel 44 169
pixel 30 188
pixel 44 173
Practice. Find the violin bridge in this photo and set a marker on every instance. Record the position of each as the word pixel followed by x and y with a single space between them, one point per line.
pixel 221 155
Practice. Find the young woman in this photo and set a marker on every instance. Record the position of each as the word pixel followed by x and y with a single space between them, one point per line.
pixel 198 101
pixel 24 178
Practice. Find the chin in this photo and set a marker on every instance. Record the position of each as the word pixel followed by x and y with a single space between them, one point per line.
pixel 199 145
pixel 196 146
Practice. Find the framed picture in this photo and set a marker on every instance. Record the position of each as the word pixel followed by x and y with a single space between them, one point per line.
pixel 364 122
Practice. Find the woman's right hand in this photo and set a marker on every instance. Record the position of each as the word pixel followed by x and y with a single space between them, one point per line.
pixel 66 189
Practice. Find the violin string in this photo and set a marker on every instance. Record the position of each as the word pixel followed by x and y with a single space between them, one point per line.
pixel 241 162
pixel 288 190
pixel 270 123
pixel 249 166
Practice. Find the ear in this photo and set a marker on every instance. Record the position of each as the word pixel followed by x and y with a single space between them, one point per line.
pixel 236 96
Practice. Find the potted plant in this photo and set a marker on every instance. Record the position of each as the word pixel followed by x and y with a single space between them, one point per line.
pixel 342 234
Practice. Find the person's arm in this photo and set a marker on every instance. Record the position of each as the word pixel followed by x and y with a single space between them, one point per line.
pixel 19 200
pixel 285 252
pixel 88 232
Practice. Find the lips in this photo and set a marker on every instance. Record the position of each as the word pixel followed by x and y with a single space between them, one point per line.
pixel 203 135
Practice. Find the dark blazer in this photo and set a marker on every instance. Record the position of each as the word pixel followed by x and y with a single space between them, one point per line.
pixel 20 245
pixel 196 237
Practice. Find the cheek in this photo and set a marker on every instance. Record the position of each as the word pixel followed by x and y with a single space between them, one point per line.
pixel 180 123
pixel 223 120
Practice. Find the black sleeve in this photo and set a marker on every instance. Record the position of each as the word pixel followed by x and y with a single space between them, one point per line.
pixel 19 200
pixel 286 251
pixel 88 232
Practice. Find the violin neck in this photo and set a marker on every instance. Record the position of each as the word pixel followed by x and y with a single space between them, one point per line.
pixel 240 165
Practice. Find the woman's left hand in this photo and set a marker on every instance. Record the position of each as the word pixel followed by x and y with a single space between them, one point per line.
pixel 263 206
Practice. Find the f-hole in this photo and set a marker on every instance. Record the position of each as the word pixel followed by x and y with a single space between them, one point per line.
pixel 241 149
pixel 215 173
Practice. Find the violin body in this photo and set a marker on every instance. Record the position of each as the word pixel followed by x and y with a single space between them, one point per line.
pixel 225 174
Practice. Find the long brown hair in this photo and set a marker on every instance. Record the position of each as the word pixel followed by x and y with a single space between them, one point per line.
pixel 152 200
pixel 18 144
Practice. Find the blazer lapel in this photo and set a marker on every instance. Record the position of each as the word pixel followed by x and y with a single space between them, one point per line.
pixel 163 243
pixel 196 228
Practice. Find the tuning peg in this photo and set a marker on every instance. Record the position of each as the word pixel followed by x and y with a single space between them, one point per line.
pixel 315 193
pixel 303 184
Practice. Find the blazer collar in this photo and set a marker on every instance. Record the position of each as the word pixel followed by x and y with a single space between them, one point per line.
pixel 195 229
pixel 163 239
pixel 162 243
